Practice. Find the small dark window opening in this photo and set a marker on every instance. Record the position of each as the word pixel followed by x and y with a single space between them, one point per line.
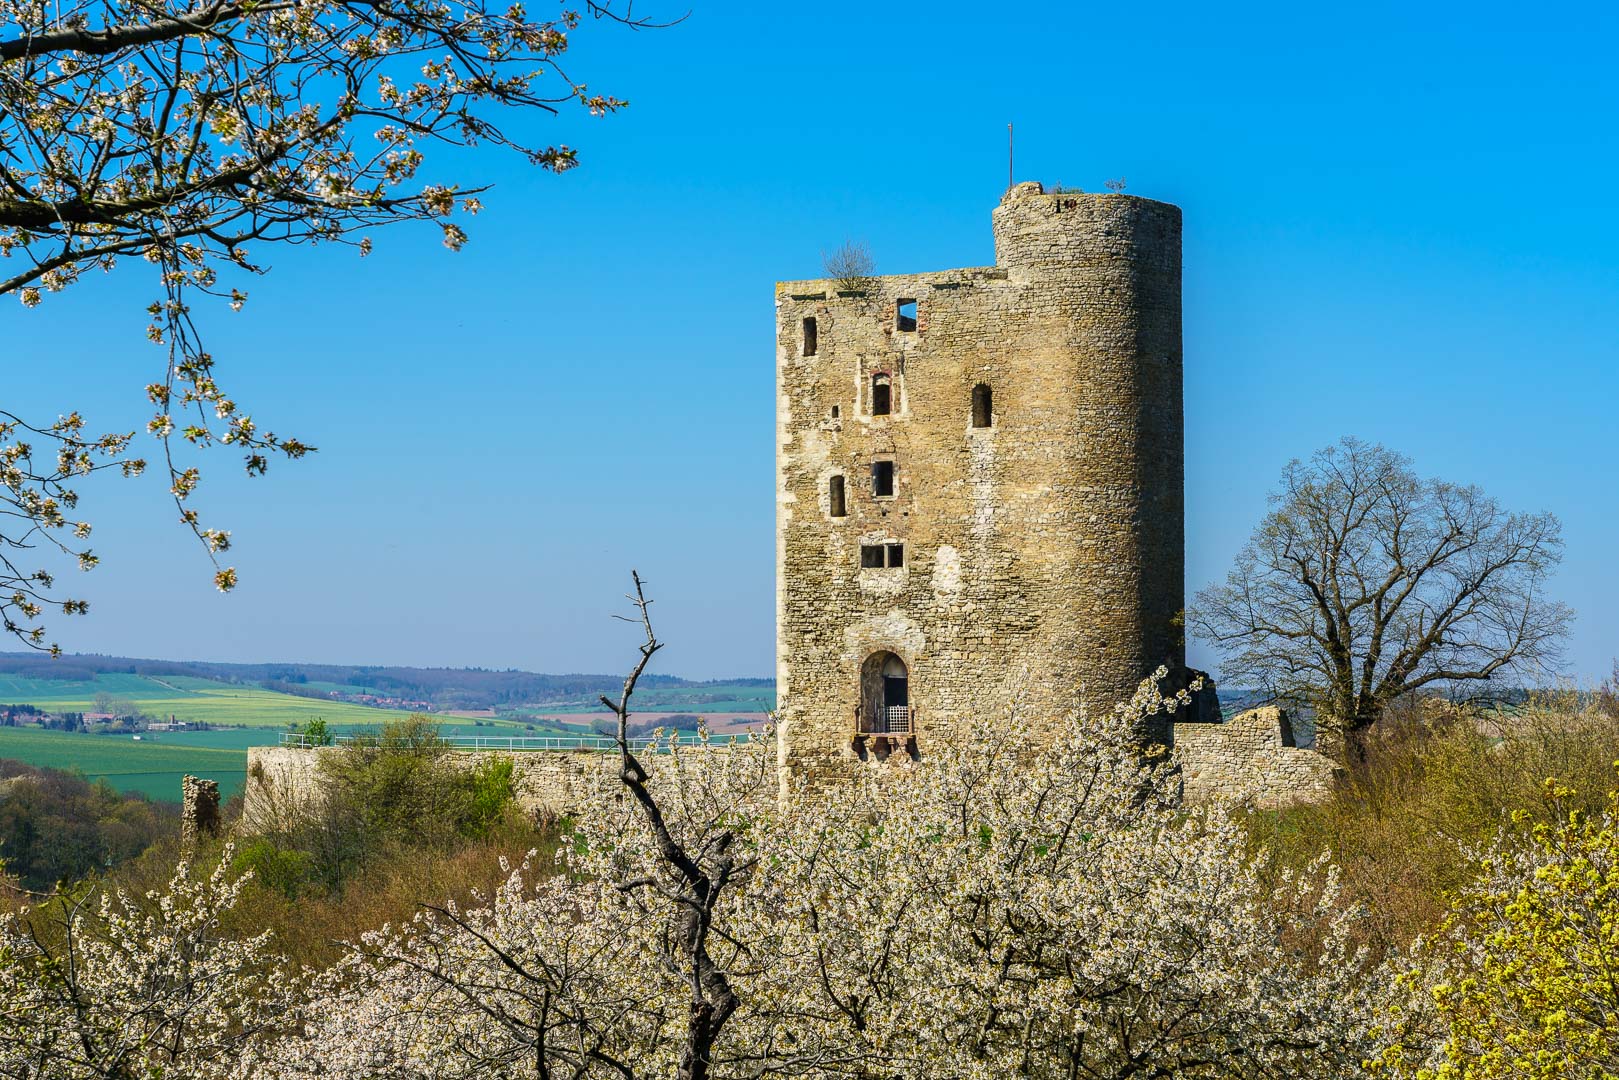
pixel 876 556
pixel 882 397
pixel 983 407
pixel 809 336
pixel 835 492
pixel 905 315
pixel 882 478
pixel 834 412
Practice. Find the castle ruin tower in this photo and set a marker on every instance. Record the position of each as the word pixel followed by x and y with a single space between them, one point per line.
pixel 980 484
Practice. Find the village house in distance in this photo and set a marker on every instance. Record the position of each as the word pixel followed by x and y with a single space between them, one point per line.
pixel 980 477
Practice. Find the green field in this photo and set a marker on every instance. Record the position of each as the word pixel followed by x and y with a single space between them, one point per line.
pixel 187 698
pixel 700 700
pixel 152 766
pixel 155 763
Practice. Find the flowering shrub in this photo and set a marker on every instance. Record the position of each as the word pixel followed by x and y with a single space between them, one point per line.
pixel 1003 907
pixel 1521 979
pixel 111 985
pixel 999 909
pixel 192 138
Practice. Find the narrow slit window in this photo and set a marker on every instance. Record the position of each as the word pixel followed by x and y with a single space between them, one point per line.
pixel 871 556
pixel 882 394
pixel 835 497
pixel 905 315
pixel 834 412
pixel 882 478
pixel 896 554
pixel 809 336
pixel 983 406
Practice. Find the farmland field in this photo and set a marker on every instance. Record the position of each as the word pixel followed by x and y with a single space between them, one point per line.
pixel 706 700
pixel 155 763
pixel 187 698
pixel 255 716
pixel 151 766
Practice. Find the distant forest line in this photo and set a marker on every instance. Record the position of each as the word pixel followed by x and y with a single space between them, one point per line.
pixel 445 688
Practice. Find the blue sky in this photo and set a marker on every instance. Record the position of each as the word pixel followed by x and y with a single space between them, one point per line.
pixel 1400 224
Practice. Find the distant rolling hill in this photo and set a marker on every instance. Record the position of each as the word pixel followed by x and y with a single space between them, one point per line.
pixel 443 688
pixel 184 698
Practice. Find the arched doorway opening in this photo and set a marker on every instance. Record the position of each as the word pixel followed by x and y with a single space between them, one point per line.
pixel 885 720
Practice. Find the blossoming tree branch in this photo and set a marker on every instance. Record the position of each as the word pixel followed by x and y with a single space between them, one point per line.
pixel 192 137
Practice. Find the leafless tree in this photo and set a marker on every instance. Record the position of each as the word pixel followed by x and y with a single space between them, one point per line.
pixel 850 265
pixel 692 877
pixel 1366 582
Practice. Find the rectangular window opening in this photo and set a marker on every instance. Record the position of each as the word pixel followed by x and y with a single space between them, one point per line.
pixel 983 406
pixel 882 478
pixel 835 497
pixel 809 336
pixel 882 394
pixel 896 554
pixel 905 315
pixel 871 556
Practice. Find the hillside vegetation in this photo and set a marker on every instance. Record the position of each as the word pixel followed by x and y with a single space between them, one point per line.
pixel 58 827
pixel 1439 782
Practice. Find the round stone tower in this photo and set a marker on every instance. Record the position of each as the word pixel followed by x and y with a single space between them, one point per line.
pixel 979 484
pixel 1108 271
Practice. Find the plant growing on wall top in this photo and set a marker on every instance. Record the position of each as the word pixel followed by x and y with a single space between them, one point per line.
pixel 851 266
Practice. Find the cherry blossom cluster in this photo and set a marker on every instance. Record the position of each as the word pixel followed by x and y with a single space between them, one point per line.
pixel 192 137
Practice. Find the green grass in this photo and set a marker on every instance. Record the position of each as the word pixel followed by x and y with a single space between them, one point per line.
pixel 156 762
pixel 700 700
pixel 152 766
pixel 341 688
pixel 187 698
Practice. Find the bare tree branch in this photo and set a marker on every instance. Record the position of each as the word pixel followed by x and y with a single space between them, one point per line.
pixel 702 879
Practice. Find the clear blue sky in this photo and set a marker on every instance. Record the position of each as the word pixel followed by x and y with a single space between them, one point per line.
pixel 1400 223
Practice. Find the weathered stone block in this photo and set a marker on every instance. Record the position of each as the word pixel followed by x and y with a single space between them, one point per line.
pixel 1251 757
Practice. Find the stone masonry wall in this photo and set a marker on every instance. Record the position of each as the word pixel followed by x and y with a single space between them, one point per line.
pixel 1252 757
pixel 282 782
pixel 199 809
pixel 1043 554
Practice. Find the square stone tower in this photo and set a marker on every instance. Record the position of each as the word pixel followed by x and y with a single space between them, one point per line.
pixel 979 484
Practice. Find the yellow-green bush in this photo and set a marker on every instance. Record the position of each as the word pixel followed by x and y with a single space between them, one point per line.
pixel 1522 979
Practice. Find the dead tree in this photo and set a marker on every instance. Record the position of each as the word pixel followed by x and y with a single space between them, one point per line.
pixel 697 878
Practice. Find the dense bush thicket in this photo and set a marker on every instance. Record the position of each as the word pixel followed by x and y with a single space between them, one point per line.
pixel 1519 981
pixel 399 826
pixel 56 826
pixel 394 795
pixel 1438 782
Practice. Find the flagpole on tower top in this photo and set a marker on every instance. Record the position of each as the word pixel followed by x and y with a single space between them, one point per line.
pixel 1009 173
